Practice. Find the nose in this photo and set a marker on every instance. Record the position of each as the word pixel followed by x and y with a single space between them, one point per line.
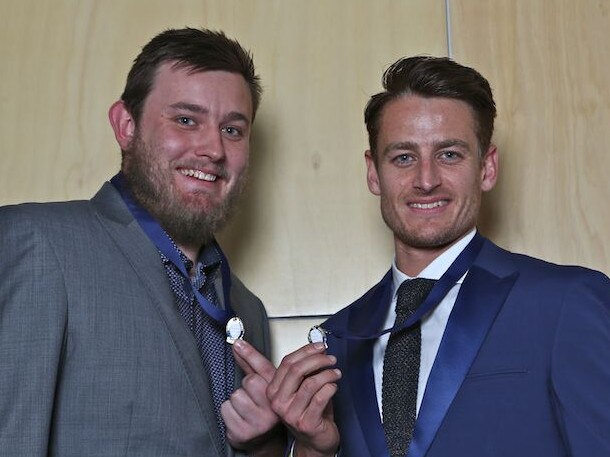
pixel 209 144
pixel 428 176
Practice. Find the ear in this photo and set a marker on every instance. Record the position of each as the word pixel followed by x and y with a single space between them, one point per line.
pixel 372 178
pixel 489 169
pixel 122 123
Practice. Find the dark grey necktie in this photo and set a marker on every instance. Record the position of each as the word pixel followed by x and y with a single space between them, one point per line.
pixel 401 369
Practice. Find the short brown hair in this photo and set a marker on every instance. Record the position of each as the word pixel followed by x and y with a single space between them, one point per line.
pixel 428 76
pixel 194 49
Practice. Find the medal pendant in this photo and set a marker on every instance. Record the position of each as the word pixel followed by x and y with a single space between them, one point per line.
pixel 317 335
pixel 235 330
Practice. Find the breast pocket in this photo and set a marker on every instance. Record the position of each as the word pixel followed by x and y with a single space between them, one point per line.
pixel 497 374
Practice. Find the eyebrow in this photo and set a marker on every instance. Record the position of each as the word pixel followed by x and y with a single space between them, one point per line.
pixel 194 108
pixel 237 116
pixel 451 142
pixel 401 146
pixel 411 146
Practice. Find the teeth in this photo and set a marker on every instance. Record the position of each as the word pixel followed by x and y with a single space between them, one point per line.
pixel 428 205
pixel 198 174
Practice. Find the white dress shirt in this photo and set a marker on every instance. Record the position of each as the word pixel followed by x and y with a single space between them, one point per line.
pixel 433 323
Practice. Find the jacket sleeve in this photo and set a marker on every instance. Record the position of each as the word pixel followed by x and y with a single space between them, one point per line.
pixel 581 367
pixel 33 316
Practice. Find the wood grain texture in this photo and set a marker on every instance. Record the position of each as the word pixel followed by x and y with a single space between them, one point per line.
pixel 64 63
pixel 309 237
pixel 315 239
pixel 548 62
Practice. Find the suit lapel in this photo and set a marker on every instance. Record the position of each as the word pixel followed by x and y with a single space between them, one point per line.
pixel 367 317
pixel 480 299
pixel 144 259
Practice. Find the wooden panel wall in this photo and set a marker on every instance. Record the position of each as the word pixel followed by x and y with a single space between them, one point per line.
pixel 309 237
pixel 548 62
pixel 314 237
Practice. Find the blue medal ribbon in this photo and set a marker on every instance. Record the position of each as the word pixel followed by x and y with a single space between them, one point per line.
pixel 458 268
pixel 164 244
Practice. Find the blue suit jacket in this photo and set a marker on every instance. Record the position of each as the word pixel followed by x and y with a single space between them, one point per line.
pixel 523 368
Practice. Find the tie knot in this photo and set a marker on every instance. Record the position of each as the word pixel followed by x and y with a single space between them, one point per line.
pixel 207 286
pixel 411 294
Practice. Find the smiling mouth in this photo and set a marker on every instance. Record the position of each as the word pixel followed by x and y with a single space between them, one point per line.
pixel 198 174
pixel 431 205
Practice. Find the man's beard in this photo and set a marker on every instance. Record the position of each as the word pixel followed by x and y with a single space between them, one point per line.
pixel 187 221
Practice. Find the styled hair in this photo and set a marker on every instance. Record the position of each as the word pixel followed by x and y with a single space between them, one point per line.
pixel 428 76
pixel 193 49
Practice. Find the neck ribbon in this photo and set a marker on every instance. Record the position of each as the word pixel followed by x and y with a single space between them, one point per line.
pixel 164 244
pixel 456 270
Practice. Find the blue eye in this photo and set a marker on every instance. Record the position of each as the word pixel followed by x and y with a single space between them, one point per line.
pixel 232 131
pixel 184 120
pixel 403 159
pixel 451 155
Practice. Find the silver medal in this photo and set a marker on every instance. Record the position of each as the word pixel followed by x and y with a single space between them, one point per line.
pixel 317 335
pixel 235 330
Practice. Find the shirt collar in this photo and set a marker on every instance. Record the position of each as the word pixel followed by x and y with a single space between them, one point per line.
pixel 437 267
pixel 209 258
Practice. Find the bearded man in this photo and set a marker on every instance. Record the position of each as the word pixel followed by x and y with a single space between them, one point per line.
pixel 113 311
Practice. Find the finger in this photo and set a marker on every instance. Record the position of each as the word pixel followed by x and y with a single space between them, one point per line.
pixel 242 363
pixel 317 426
pixel 254 387
pixel 256 361
pixel 250 414
pixel 242 404
pixel 319 403
pixel 306 372
pixel 237 429
pixel 289 361
pixel 294 373
pixel 232 419
pixel 311 392
pixel 248 419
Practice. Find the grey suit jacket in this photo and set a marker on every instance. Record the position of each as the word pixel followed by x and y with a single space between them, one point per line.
pixel 95 360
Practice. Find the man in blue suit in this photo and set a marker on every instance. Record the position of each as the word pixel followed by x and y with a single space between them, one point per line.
pixel 512 354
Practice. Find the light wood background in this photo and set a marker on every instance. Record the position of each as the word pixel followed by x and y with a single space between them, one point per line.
pixel 309 238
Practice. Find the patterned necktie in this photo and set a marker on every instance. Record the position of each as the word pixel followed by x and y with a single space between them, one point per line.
pixel 210 337
pixel 215 354
pixel 401 369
